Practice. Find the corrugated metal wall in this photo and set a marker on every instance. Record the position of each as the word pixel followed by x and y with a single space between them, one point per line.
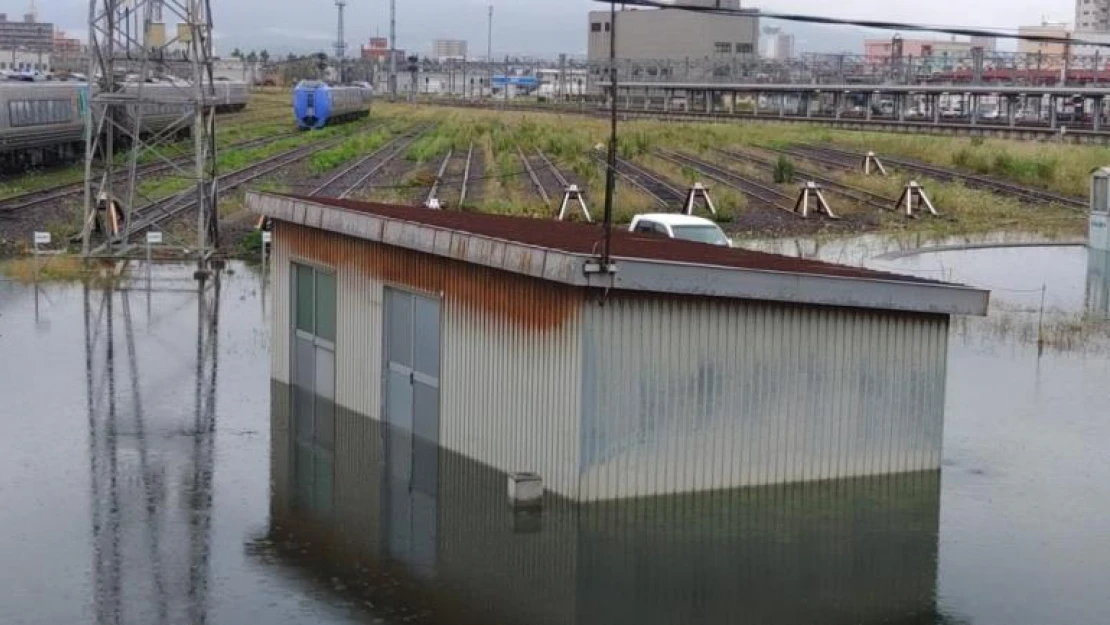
pixel 511 350
pixel 279 315
pixel 689 394
pixel 675 394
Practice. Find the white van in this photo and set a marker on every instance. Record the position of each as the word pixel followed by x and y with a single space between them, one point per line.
pixel 683 227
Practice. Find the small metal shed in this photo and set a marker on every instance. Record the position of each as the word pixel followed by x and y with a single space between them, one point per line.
pixel 691 368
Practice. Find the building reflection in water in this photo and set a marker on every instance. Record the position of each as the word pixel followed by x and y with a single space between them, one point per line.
pixel 429 535
pixel 151 460
pixel 1098 282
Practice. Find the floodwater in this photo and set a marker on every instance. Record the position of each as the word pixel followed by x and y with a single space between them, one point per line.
pixel 140 483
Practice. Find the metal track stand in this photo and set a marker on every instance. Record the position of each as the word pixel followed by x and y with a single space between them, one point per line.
pixel 872 164
pixel 913 198
pixel 698 192
pixel 810 196
pixel 573 195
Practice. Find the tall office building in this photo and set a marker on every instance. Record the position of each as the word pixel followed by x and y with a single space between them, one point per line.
pixel 1092 15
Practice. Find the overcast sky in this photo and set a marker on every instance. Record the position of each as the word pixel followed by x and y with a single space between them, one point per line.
pixel 536 27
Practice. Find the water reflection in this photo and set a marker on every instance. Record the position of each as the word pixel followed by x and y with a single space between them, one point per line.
pixel 151 472
pixel 1098 282
pixel 436 541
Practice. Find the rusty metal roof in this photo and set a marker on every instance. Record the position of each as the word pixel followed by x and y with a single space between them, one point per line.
pixel 557 251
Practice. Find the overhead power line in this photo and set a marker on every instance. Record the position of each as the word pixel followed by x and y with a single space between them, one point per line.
pixel 878 24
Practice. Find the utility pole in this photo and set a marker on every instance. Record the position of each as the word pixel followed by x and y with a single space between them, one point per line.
pixel 113 119
pixel 393 49
pixel 560 91
pixel 611 160
pixel 340 42
pixel 489 53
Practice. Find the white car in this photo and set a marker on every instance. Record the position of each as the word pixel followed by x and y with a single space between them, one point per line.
pixel 684 227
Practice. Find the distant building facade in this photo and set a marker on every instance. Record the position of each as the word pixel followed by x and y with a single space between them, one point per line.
pixel 377 52
pixel 880 51
pixel 449 50
pixel 776 45
pixel 1044 29
pixel 66 46
pixel 669 34
pixel 15 60
pixel 1092 16
pixel 27 34
pixel 237 69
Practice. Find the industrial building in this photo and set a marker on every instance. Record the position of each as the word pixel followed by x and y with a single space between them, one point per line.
pixel 671 34
pixel 690 368
pixel 28 34
pixel 444 50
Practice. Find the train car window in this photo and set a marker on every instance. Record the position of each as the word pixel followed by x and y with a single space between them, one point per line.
pixel 38 112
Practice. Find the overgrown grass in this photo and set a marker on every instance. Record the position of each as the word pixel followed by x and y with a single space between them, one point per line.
pixel 58 268
pixel 1059 332
pixel 155 188
pixel 783 172
pixel 1055 166
pixel 355 146
pixel 970 211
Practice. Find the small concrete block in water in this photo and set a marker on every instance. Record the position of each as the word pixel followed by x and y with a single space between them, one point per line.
pixel 525 489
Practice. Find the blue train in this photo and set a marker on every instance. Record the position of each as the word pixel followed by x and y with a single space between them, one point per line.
pixel 317 104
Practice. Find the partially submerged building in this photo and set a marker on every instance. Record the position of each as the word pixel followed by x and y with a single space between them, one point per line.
pixel 691 368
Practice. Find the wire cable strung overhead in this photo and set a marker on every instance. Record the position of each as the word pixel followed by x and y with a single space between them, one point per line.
pixel 879 24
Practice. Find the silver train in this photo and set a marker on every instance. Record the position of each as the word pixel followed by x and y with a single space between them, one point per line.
pixel 41 122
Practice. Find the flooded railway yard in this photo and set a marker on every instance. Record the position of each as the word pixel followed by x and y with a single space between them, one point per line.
pixel 153 473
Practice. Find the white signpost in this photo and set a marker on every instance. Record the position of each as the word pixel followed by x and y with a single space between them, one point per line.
pixel 153 237
pixel 40 238
pixel 267 238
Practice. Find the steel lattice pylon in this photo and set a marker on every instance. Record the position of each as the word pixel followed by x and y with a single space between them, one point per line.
pixel 140 70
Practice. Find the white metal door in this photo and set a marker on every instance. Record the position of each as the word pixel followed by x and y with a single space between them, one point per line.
pixel 412 426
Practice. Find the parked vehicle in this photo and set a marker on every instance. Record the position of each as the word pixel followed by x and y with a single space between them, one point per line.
pixel 317 104
pixel 44 121
pixel 682 227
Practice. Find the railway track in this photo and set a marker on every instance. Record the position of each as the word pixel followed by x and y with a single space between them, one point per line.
pixel 452 181
pixel 861 196
pixel 53 194
pixel 356 175
pixel 657 188
pixel 550 183
pixel 1000 187
pixel 761 194
pixel 159 212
